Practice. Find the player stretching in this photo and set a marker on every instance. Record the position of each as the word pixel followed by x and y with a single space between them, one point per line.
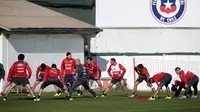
pixel 18 72
pixel 51 77
pixel 161 79
pixel 190 80
pixel 41 70
pixel 177 87
pixel 82 78
pixel 118 72
pixel 94 71
pixel 143 75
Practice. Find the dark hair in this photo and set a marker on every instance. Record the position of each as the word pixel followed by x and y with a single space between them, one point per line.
pixel 150 80
pixel 68 53
pixel 21 57
pixel 43 66
pixel 53 66
pixel 177 68
pixel 140 66
pixel 89 58
pixel 113 59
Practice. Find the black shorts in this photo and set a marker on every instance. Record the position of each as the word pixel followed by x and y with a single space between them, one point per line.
pixel 20 81
pixel 69 78
pixel 114 81
pixel 40 78
pixel 140 79
pixel 165 81
pixel 54 81
pixel 193 81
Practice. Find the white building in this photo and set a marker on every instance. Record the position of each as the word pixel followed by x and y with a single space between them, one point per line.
pixel 44 36
pixel 133 34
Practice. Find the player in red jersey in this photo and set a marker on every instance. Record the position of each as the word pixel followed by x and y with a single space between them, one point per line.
pixel 40 72
pixel 143 75
pixel 190 80
pixel 18 72
pixel 68 69
pixel 118 72
pixel 94 71
pixel 177 87
pixel 161 79
pixel 52 77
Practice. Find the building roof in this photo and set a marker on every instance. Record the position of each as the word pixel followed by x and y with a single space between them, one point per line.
pixel 21 15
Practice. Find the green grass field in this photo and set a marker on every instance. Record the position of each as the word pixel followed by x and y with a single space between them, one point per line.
pixel 114 102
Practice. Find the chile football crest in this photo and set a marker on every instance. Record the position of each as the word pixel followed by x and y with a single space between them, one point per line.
pixel 168 11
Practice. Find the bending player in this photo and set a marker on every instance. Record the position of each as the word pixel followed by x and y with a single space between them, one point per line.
pixel 190 80
pixel 161 79
pixel 41 70
pixel 177 87
pixel 19 76
pixel 82 78
pixel 143 75
pixel 94 72
pixel 51 77
pixel 118 72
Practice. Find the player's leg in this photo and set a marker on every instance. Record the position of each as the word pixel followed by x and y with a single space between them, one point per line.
pixel 85 84
pixel 25 82
pixel 76 84
pixel 123 85
pixel 43 86
pixel 178 91
pixel 138 81
pixel 58 84
pixel 195 87
pixel 12 85
pixel 113 81
pixel 35 84
pixel 168 81
pixel 5 87
pixel 58 91
pixel 100 85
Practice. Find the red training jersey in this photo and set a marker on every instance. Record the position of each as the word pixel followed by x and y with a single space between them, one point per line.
pixel 20 69
pixel 143 73
pixel 185 76
pixel 53 73
pixel 117 70
pixel 158 77
pixel 40 72
pixel 93 68
pixel 67 66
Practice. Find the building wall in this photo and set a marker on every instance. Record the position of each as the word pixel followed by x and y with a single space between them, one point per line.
pixel 132 13
pixel 130 31
pixel 43 48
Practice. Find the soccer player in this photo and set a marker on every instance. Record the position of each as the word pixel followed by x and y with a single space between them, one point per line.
pixel 68 70
pixel 51 77
pixel 143 75
pixel 20 73
pixel 82 78
pixel 118 72
pixel 190 80
pixel 40 72
pixel 161 79
pixel 177 87
pixel 94 71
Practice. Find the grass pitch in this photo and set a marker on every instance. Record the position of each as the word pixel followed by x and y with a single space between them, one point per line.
pixel 114 102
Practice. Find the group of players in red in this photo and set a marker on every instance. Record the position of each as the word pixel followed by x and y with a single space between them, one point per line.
pixel 64 79
pixel 185 80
